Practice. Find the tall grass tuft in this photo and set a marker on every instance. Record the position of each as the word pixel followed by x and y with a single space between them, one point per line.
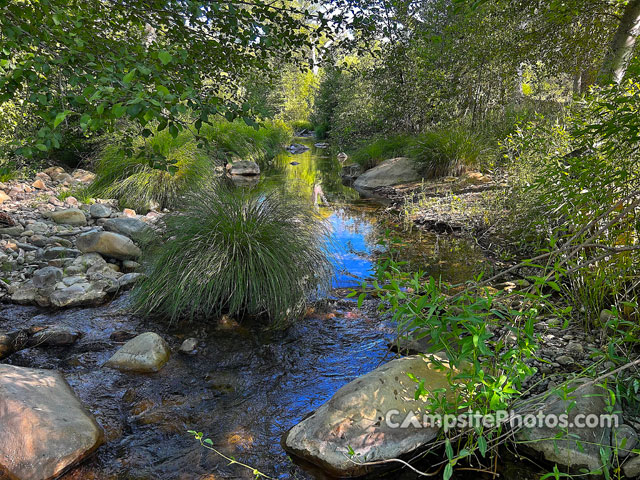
pixel 138 185
pixel 239 252
pixel 447 151
pixel 381 149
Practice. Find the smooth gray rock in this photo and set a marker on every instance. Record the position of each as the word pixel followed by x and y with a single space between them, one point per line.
pixel 582 448
pixel 45 428
pixel 99 210
pixel 46 277
pixel 189 346
pixel 625 438
pixel 145 353
pixel 70 216
pixel 108 244
pixel 130 227
pixel 53 253
pixel 244 167
pixel 390 172
pixel 78 294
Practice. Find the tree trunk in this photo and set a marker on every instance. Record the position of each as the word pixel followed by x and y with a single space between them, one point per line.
pixel 620 52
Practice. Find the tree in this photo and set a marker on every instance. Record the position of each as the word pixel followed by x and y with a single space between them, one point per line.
pixel 622 46
pixel 97 62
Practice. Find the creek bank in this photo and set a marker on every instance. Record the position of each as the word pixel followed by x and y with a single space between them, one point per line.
pixel 63 253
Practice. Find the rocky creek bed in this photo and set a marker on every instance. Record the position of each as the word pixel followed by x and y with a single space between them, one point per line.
pixel 65 268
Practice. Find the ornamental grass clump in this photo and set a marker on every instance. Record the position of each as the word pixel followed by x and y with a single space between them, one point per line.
pixel 237 252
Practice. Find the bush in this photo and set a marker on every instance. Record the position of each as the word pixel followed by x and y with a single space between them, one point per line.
pixel 166 168
pixel 381 149
pixel 447 151
pixel 237 252
pixel 8 172
pixel 300 125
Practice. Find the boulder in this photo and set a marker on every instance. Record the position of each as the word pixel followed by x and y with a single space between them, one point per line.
pixel 130 227
pixel 572 447
pixel 390 172
pixel 100 210
pixel 244 167
pixel 45 429
pixel 46 277
pixel 108 244
pixel 356 417
pixel 145 353
pixel 82 293
pixel 70 216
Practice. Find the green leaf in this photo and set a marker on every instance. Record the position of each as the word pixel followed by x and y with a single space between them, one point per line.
pixel 165 57
pixel 129 77
pixel 60 118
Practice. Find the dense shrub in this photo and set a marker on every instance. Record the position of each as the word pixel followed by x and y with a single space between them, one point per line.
pixel 447 151
pixel 237 252
pixel 165 168
pixel 381 149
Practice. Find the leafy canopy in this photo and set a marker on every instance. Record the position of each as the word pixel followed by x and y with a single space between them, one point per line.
pixel 98 62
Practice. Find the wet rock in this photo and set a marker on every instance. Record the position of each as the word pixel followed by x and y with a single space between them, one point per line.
pixel 70 216
pixel 244 167
pixel 145 353
pixel 390 172
pixel 122 336
pixel 189 346
pixel 45 429
pixel 108 244
pixel 130 227
pixel 575 448
pixel 99 210
pixel 355 417
pixel 342 157
pixel 46 277
pixel 53 337
pixel 78 294
pixel 296 148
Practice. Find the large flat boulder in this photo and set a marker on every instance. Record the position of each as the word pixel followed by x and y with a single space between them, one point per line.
pixel 390 172
pixel 356 417
pixel 108 244
pixel 45 429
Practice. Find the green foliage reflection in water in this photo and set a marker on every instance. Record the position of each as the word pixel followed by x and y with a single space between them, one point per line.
pixel 238 252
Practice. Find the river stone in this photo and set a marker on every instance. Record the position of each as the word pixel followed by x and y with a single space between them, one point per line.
pixel 130 227
pixel 4 197
pixel 78 294
pixel 53 253
pixel 100 210
pixel 88 260
pixel 349 173
pixel 631 468
pixel 189 346
pixel 70 216
pixel 146 353
pixel 244 167
pixel 45 429
pixel 108 244
pixel 390 172
pixel 355 418
pixel 624 439
pixel 53 337
pixel 46 277
pixel 581 449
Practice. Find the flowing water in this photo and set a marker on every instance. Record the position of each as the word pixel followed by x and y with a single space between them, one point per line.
pixel 246 386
